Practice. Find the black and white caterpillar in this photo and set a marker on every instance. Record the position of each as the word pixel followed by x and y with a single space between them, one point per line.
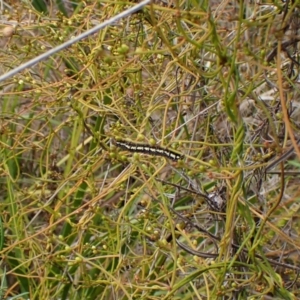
pixel 152 150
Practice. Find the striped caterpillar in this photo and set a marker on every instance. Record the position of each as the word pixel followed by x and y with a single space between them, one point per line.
pixel 152 150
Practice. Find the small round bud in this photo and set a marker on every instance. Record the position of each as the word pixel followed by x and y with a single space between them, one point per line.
pixel 8 31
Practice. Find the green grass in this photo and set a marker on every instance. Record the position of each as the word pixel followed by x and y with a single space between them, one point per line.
pixel 84 219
